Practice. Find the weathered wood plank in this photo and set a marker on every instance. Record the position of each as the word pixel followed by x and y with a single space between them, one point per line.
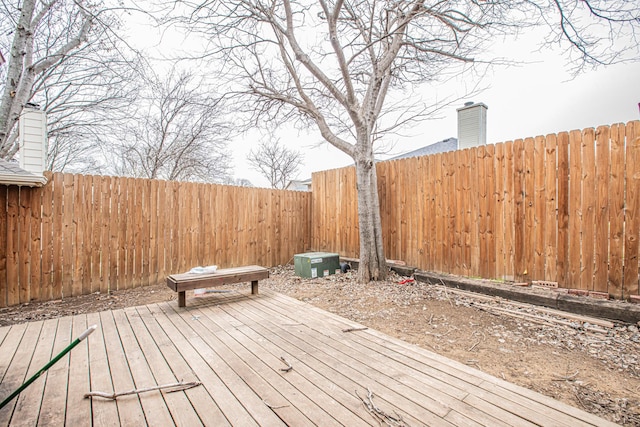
pixel 156 369
pixel 603 164
pixel 129 409
pixel 509 205
pixel 589 193
pixel 551 199
pixel 167 341
pixel 153 404
pixel 54 398
pixel 575 203
pixel 29 401
pixel 77 229
pixel 520 269
pixel 539 208
pixel 471 379
pixel 263 379
pixel 13 245
pixel 78 408
pixel 632 213
pixel 304 355
pixel 498 201
pixel 103 412
pixel 563 210
pixel 199 356
pixel 17 368
pixel 616 211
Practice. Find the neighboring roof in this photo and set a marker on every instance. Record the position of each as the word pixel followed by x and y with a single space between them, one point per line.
pixel 299 185
pixel 12 174
pixel 449 144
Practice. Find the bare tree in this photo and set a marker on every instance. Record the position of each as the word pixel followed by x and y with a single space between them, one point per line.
pixel 66 58
pixel 339 65
pixel 28 58
pixel 179 134
pixel 275 162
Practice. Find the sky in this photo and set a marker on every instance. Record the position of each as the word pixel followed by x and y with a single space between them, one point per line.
pixel 537 97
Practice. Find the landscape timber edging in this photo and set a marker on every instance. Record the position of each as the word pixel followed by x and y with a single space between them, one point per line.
pixel 612 310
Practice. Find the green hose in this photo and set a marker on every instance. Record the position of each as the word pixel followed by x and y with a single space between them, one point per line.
pixel 48 365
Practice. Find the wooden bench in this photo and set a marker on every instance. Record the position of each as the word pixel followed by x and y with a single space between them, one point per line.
pixel 187 281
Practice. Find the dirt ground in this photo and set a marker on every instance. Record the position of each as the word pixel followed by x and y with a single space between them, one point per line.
pixel 587 365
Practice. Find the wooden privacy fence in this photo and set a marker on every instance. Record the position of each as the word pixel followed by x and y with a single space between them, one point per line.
pixel 81 234
pixel 562 208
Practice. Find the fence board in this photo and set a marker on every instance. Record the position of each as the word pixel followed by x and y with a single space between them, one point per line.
pixel 13 242
pixel 67 236
pixel 77 235
pixel 539 209
pixel 498 217
pixel 35 266
pixel 459 212
pixel 601 246
pixel 616 211
pixel 47 240
pixel 475 209
pixel 432 212
pixel 575 203
pixel 448 247
pixel 466 212
pixel 23 245
pixel 491 211
pixel 122 233
pixel 94 234
pixel 550 217
pixel 89 251
pixel 130 228
pixel 520 212
pixel 509 211
pixel 632 218
pixel 58 233
pixel 111 218
pixel 589 192
pixel 529 208
pixel 482 212
pixel 563 209
pixel 4 224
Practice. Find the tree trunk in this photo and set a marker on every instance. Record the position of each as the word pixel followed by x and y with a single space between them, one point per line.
pixel 373 264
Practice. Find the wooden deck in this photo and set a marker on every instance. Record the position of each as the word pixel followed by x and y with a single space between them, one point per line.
pixel 232 343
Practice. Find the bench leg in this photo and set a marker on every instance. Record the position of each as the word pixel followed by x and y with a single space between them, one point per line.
pixel 254 287
pixel 182 299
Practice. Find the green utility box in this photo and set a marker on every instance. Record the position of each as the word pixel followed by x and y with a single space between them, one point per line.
pixel 316 264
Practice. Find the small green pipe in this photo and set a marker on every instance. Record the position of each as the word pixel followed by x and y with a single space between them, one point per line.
pixel 48 365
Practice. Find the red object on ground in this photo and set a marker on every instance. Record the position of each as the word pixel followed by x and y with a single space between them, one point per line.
pixel 405 281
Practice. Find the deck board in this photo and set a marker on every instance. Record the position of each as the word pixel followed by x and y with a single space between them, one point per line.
pixel 232 343
pixel 53 407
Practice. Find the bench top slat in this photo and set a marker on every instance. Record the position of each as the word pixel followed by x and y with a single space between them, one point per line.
pixel 220 274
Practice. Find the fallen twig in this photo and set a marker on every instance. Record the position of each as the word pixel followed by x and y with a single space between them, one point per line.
pixel 473 346
pixel 172 388
pixel 567 378
pixel 445 292
pixel 355 329
pixel 394 420
pixel 288 368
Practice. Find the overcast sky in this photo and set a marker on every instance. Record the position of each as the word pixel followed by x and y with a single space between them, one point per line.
pixel 538 97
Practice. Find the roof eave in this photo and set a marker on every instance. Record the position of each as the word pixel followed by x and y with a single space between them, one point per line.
pixel 23 180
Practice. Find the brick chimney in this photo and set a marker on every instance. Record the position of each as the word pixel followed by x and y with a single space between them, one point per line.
pixel 472 125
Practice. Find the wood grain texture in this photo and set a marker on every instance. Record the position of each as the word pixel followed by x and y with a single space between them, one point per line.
pixel 233 347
